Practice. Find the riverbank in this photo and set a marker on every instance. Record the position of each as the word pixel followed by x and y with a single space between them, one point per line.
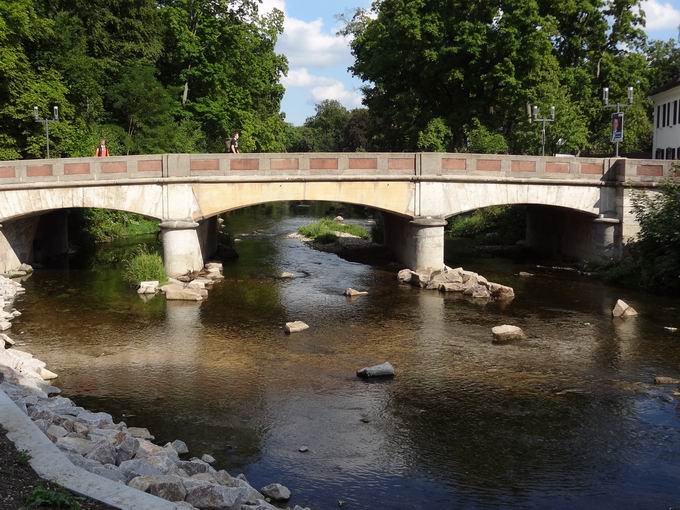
pixel 126 455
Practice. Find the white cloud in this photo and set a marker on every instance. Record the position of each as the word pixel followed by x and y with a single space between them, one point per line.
pixel 660 15
pixel 306 44
pixel 322 87
pixel 268 6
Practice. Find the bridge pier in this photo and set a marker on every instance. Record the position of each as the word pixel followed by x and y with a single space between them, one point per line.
pixel 417 243
pixel 181 247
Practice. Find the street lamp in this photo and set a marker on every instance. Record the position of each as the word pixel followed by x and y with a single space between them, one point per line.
pixel 617 116
pixel 55 118
pixel 535 115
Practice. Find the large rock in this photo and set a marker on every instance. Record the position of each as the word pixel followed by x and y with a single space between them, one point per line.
pixel 75 445
pixel 506 334
pixel 126 449
pixel 295 327
pixel 177 293
pixel 383 370
pixel 623 310
pixel 108 471
pixel 350 292
pixel 46 375
pixel 276 491
pixel 259 504
pixel 179 446
pixel 168 487
pixel 194 466
pixel 501 292
pixel 150 287
pixel 103 452
pixel 405 275
pixel 54 432
pixel 140 433
pixel 94 419
pixel 209 496
pixel 139 467
pixel 666 380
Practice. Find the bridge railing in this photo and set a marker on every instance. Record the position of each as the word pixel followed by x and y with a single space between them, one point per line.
pixel 400 165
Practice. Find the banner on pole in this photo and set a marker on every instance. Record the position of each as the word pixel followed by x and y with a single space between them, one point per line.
pixel 617 127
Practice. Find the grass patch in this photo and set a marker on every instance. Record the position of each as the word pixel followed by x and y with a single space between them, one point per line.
pixel 23 457
pixel 52 498
pixel 144 266
pixel 324 231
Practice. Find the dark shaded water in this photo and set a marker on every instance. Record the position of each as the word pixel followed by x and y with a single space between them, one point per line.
pixel 566 420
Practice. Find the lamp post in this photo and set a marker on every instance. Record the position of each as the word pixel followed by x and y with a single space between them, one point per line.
pixel 55 118
pixel 535 115
pixel 617 134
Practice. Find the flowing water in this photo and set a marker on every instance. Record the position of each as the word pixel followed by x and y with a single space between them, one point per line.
pixel 567 419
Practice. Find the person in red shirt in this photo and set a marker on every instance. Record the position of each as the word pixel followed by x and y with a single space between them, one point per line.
pixel 102 151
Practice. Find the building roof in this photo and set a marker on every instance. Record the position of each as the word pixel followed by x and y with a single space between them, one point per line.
pixel 668 86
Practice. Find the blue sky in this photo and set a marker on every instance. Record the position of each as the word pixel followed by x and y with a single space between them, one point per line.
pixel 318 58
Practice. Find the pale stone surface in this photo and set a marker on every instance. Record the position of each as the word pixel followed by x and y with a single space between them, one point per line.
pixel 46 374
pixel 507 334
pixel 149 287
pixel 405 275
pixel 623 310
pixel 206 457
pixel 177 293
pixel 295 327
pixel 140 433
pixel 179 446
pixel 139 467
pixel 103 452
pixel 276 491
pixel 671 329
pixel 350 292
pixel 287 275
pixel 666 380
pixel 207 495
pixel 168 487
pixel 54 432
pixel 259 504
pixel 383 370
pixel 75 445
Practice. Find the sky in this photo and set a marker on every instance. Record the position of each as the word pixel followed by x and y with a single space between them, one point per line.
pixel 318 58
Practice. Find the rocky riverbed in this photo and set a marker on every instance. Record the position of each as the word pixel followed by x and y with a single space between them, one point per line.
pixel 127 455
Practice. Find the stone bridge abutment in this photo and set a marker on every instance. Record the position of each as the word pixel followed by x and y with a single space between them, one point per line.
pixel 578 206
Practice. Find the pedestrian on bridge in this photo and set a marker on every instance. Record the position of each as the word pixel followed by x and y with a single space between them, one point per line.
pixel 233 143
pixel 102 151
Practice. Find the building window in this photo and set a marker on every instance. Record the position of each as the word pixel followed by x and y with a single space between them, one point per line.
pixel 675 112
pixel 670 153
pixel 663 123
pixel 659 154
pixel 658 116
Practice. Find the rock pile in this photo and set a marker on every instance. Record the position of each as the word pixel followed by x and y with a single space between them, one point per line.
pixel 94 442
pixel 457 280
pixel 191 287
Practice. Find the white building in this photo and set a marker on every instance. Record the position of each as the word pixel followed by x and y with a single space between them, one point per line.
pixel 667 121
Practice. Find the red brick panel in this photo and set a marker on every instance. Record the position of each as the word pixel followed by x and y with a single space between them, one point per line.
pixel 39 171
pixel 204 165
pixel 150 165
pixel 401 164
pixel 363 163
pixel 7 172
pixel 557 168
pixel 592 168
pixel 323 164
pixel 285 164
pixel 245 164
pixel 453 164
pixel 489 165
pixel 76 169
pixel 114 167
pixel 650 170
pixel 523 166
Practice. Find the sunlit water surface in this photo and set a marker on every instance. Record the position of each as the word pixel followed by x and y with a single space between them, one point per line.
pixel 566 420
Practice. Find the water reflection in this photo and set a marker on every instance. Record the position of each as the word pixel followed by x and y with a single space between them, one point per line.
pixel 566 420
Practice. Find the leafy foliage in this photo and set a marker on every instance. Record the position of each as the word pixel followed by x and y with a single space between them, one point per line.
pixel 502 224
pixel 52 498
pixel 327 227
pixel 150 76
pixel 144 266
pixel 104 225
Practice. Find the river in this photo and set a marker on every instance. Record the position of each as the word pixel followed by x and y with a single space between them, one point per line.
pixel 568 419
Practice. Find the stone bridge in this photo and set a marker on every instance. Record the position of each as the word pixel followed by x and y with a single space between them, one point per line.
pixel 579 207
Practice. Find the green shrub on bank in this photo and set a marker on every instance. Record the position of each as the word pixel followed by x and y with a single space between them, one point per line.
pixel 104 225
pixel 324 229
pixel 502 224
pixel 144 266
pixel 53 498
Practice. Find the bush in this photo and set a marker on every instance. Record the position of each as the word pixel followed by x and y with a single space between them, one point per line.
pixel 507 224
pixel 104 225
pixel 144 266
pixel 52 498
pixel 327 227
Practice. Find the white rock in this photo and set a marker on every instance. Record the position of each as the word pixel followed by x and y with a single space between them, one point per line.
pixel 405 275
pixel 179 446
pixel 295 327
pixel 213 496
pixel 108 471
pixel 672 330
pixel 623 310
pixel 5 325
pixel 176 293
pixel 7 339
pixel 350 292
pixel 140 433
pixel 103 452
pixel 506 334
pixel 195 284
pixel 54 432
pixel 276 491
pixel 140 467
pixel 287 275
pixel 259 504
pixel 194 466
pixel 46 375
pixel 168 487
pixel 383 370
pixel 339 219
pixel 208 458
pixel 75 445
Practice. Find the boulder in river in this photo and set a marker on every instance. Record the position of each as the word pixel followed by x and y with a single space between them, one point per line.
pixel 339 219
pixel 286 275
pixel 177 293
pixel 507 334
pixel 667 328
pixel 206 457
pixel 276 491
pixel 383 370
pixel 168 487
pixel 666 380
pixel 623 310
pixel 149 287
pixel 179 446
pixel 295 327
pixel 350 292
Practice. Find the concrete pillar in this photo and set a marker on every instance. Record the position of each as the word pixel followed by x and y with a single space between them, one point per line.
pixel 181 247
pixel 417 243
pixel 16 242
